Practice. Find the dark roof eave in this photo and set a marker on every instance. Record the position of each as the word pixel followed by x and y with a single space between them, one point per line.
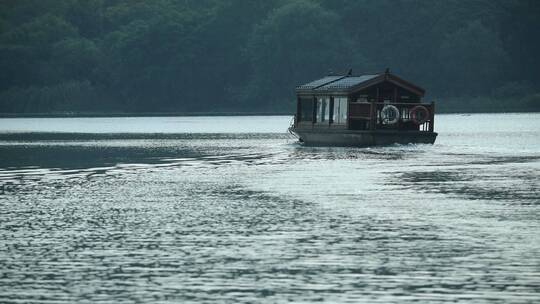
pixel 404 83
pixel 392 79
pixel 361 86
pixel 323 92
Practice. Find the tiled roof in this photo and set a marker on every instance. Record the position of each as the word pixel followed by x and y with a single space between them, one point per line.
pixel 335 83
pixel 319 82
pixel 346 83
pixel 349 83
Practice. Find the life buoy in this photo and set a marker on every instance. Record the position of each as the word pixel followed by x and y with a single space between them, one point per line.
pixel 389 115
pixel 419 114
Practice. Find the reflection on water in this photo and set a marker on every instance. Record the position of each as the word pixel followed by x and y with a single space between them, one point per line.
pixel 243 218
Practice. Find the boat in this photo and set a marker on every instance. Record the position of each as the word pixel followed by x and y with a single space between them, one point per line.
pixel 364 110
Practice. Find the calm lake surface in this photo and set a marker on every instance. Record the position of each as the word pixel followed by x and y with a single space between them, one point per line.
pixel 233 210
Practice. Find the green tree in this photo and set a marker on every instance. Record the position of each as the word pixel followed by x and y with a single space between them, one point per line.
pixel 294 44
pixel 26 49
pixel 472 60
pixel 87 16
pixel 215 55
pixel 74 59
pixel 149 62
pixel 520 27
pixel 41 32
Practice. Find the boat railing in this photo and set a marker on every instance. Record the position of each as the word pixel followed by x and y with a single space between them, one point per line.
pixel 371 113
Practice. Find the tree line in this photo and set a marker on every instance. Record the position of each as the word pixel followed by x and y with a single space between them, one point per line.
pixel 248 55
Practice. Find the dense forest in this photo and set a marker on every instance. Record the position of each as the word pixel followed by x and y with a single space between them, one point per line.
pixel 76 56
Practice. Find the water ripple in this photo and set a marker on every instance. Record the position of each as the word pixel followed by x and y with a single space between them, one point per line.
pixel 243 219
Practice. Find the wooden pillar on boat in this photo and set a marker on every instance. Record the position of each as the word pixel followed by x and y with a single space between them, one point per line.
pixel 372 115
pixel 331 110
pixel 373 108
pixel 395 100
pixel 348 113
pixel 432 117
pixel 314 112
pixel 298 116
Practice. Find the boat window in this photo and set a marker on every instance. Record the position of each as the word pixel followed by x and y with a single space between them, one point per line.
pixel 340 110
pixel 323 109
pixel 306 109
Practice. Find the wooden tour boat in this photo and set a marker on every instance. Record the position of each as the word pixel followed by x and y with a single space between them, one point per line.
pixel 367 110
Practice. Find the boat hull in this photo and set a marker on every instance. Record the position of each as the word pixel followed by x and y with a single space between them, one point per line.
pixel 318 137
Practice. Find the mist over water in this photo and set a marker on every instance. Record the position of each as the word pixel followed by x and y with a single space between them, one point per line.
pixel 234 210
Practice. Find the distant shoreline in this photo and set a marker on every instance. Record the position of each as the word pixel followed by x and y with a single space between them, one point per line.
pixel 195 114
pixel 136 114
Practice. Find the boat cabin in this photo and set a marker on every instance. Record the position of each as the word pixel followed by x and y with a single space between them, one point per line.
pixel 367 102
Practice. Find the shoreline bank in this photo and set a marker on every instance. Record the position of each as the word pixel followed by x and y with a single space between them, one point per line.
pixel 198 114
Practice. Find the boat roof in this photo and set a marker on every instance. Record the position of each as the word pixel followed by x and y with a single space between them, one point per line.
pixel 346 84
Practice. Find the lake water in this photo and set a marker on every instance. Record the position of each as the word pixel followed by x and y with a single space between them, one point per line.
pixel 233 210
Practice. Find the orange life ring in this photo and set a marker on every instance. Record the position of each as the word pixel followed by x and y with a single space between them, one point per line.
pixel 419 114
